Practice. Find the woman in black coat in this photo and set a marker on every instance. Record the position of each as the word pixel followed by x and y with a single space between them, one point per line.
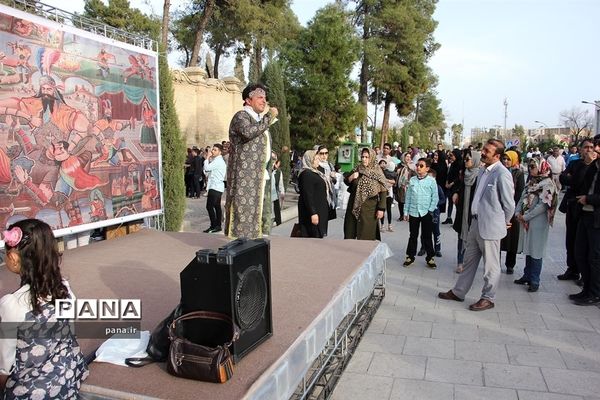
pixel 512 160
pixel 452 180
pixel 313 205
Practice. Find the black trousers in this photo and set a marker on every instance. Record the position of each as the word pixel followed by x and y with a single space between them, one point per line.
pixel 388 205
pixel 587 251
pixel 198 181
pixel 213 206
pixel 277 212
pixel 426 224
pixel 571 222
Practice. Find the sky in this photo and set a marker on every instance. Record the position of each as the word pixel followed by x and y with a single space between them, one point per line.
pixel 542 56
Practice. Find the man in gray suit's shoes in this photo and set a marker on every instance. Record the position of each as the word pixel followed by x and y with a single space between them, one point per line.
pixel 492 208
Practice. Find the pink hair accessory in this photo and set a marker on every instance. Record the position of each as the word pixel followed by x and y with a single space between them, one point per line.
pixel 13 236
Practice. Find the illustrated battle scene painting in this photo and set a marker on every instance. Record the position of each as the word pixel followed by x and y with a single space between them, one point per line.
pixel 78 127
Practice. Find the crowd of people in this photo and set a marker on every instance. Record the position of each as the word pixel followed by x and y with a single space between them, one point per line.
pixel 496 200
pixel 504 201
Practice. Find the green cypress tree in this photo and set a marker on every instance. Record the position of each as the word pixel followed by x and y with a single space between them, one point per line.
pixel 280 131
pixel 173 150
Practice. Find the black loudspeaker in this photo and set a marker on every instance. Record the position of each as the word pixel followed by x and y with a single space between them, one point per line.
pixel 234 280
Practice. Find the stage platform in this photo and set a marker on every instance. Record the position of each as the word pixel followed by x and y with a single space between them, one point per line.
pixel 314 283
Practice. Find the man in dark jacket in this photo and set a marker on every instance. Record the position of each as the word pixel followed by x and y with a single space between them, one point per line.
pixel 573 177
pixel 587 245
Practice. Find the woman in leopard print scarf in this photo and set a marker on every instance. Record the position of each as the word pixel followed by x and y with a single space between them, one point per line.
pixel 368 192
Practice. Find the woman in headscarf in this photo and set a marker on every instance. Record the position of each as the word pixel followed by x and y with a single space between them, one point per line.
pixel 329 173
pixel 535 212
pixel 313 204
pixel 406 170
pixel 368 192
pixel 510 243
pixel 462 198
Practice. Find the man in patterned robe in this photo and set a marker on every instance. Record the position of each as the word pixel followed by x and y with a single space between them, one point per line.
pixel 248 203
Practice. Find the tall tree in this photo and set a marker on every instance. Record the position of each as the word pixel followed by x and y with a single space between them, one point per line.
pixel 204 10
pixel 397 40
pixel 173 150
pixel 320 91
pixel 577 120
pixel 280 132
pixel 457 130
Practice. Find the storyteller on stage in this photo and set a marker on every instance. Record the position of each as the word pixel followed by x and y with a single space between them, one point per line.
pixel 248 201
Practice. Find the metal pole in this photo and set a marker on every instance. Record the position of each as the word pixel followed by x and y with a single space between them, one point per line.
pixel 505 115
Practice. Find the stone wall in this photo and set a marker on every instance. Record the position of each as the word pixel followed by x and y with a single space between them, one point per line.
pixel 205 105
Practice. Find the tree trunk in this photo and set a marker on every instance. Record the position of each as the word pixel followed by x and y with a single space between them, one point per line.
pixel 258 58
pixel 385 125
pixel 218 52
pixel 208 11
pixel 165 23
pixel 363 96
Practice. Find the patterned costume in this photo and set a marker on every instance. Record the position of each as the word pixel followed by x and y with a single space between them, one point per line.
pixel 247 193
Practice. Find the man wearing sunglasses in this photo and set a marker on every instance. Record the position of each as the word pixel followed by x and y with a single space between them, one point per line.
pixel 587 243
pixel 492 209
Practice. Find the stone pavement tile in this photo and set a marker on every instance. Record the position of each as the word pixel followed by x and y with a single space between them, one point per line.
pixel 390 311
pixel 380 343
pixel 487 318
pixel 528 395
pixel 464 392
pixel 454 331
pixel 450 305
pixel 524 307
pixel 408 389
pixel 553 338
pixel 481 351
pixel 397 366
pixel 589 340
pixel 377 325
pixel 454 371
pixel 534 356
pixel 360 362
pixel 359 386
pixel 503 335
pixel 421 346
pixel 514 293
pixel 418 302
pixel 408 328
pixel 433 315
pixel 582 383
pixel 570 323
pixel 571 310
pixel 389 298
pixel 513 376
pixel 521 320
pixel 556 298
pixel 581 359
pixel 505 305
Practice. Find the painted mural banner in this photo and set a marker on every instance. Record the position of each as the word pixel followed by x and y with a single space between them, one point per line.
pixel 79 128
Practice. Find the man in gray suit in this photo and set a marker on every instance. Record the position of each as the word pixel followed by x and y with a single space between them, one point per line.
pixel 492 208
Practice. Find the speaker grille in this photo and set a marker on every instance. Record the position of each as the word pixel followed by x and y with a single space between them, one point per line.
pixel 250 297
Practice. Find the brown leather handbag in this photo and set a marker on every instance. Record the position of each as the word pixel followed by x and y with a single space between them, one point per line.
pixel 197 361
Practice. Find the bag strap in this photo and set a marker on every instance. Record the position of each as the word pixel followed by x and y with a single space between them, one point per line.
pixel 207 315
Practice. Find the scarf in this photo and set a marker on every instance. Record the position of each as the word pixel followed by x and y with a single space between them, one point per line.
pixel 407 171
pixel 371 182
pixel 542 187
pixel 308 160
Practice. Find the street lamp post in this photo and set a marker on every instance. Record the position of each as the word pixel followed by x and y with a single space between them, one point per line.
pixel 596 116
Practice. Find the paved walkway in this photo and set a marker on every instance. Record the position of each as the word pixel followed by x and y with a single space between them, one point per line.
pixel 530 346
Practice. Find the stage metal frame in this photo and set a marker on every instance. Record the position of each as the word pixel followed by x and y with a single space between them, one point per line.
pixel 323 375
pixel 87 24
